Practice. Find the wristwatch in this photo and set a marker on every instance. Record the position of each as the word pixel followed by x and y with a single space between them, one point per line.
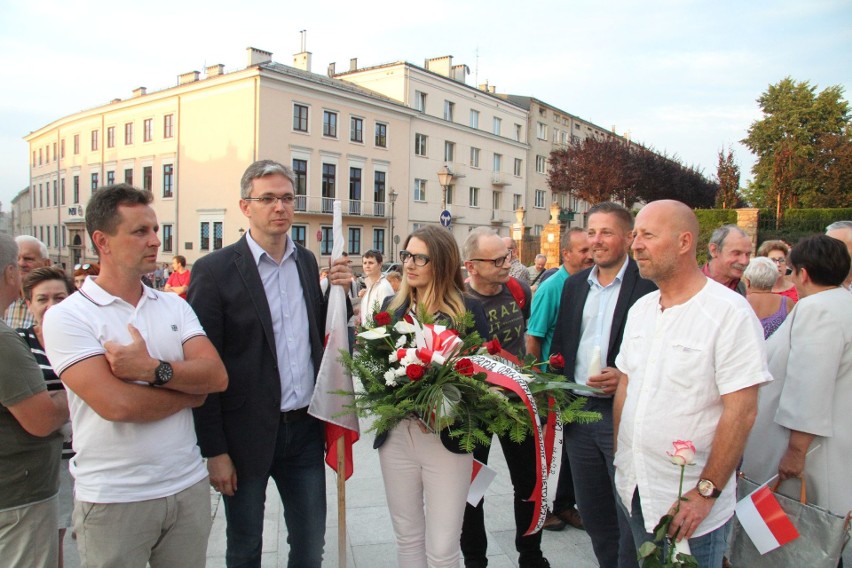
pixel 162 374
pixel 707 489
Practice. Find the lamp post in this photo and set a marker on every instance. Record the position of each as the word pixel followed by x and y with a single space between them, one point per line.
pixel 445 178
pixel 393 196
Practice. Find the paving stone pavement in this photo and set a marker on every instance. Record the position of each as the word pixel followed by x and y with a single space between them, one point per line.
pixel 370 541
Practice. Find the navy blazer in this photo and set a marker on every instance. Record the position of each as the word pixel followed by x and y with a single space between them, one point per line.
pixel 566 337
pixel 228 296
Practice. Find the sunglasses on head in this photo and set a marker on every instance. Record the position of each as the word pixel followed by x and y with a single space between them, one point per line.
pixel 82 266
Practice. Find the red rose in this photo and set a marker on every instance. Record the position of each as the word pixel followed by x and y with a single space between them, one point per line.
pixel 464 367
pixel 401 353
pixel 493 346
pixel 415 372
pixel 557 361
pixel 382 318
pixel 408 318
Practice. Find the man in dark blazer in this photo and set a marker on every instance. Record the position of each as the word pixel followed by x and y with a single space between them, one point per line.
pixel 261 305
pixel 589 330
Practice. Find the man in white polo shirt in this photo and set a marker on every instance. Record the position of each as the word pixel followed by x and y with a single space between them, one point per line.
pixel 135 361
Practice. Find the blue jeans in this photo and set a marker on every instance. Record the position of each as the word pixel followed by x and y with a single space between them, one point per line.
pixel 589 448
pixel 298 469
pixel 708 549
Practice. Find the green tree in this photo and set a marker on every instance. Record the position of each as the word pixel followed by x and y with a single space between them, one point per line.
pixel 802 147
pixel 728 177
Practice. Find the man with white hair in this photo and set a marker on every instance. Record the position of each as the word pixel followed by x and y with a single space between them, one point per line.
pixel 842 231
pixel 31 254
pixel 730 249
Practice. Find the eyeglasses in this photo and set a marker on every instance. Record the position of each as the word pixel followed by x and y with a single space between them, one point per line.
pixel 269 200
pixel 82 266
pixel 417 259
pixel 498 262
pixel 780 260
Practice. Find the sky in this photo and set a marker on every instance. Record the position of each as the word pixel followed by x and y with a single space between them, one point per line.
pixel 681 76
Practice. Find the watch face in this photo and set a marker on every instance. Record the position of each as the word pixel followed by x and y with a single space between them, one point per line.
pixel 706 488
pixel 164 373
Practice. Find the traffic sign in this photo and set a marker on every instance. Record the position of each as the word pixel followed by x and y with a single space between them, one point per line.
pixel 446 218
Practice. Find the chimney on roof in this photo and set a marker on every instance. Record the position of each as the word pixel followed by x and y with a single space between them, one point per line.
pixel 492 89
pixel 483 87
pixel 440 65
pixel 353 64
pixel 331 69
pixel 139 91
pixel 302 61
pixel 257 56
pixel 215 70
pixel 188 77
pixel 113 101
pixel 459 73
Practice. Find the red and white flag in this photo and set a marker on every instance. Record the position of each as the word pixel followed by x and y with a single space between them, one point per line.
pixel 328 404
pixel 480 478
pixel 765 522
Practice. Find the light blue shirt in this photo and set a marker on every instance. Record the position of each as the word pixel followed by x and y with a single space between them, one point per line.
pixel 289 323
pixel 597 321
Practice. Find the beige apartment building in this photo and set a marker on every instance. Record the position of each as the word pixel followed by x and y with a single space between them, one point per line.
pixel 480 138
pixel 189 144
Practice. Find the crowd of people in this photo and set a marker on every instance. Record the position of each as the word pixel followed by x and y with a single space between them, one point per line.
pixel 125 402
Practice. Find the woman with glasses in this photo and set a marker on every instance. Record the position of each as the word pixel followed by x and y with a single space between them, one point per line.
pixel 377 287
pixel 83 270
pixel 427 477
pixel 777 252
pixel 43 288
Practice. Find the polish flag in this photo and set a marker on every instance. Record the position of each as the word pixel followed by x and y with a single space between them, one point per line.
pixel 327 403
pixel 765 521
pixel 480 478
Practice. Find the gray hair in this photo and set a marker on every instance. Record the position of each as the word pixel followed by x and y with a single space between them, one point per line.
pixel 566 243
pixel 719 235
pixel 762 273
pixel 21 239
pixel 839 225
pixel 263 168
pixel 538 256
pixel 471 243
pixel 8 251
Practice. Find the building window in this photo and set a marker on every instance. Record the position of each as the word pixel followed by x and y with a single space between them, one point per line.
pixel 299 234
pixel 128 134
pixel 167 238
pixel 147 177
pixel 168 180
pixel 537 230
pixel 217 235
pixel 62 148
pixel 205 237
pixel 148 130
pixel 449 194
pixel 46 193
pixel 300 118
pixel 54 156
pixel 379 240
pixel 128 176
pixel 76 144
pixel 420 144
pixel 111 137
pixel 379 194
pixel 381 135
pixel 300 168
pixel 474 196
pixel 540 164
pixel 168 125
pixel 356 129
pixel 328 178
pixel 95 134
pixel 354 241
pixel 519 164
pixel 419 190
pixel 327 241
pixel 449 151
pixel 354 191
pixel 498 162
pixel 474 118
pixel 329 123
pixel 94 181
pixel 75 190
pixel 497 125
pixel 541 131
pixel 575 139
pixel 495 200
pixel 474 157
pixel 539 199
pixel 62 191
pixel 449 107
pixel 110 177
pixel 517 201
pixel 420 101
pixel 55 193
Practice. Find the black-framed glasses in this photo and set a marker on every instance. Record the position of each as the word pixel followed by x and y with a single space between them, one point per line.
pixel 779 260
pixel 82 266
pixel 417 259
pixel 498 262
pixel 269 200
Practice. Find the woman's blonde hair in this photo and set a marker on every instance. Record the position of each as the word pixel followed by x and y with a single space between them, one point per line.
pixel 445 292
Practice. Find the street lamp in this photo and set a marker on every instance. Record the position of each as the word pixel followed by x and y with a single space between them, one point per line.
pixel 393 196
pixel 445 178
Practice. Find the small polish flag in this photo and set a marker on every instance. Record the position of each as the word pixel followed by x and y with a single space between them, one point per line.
pixel 765 521
pixel 480 478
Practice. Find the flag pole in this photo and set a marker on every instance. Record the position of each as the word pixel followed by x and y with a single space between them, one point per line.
pixel 341 502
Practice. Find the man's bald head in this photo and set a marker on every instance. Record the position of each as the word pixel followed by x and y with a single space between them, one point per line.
pixel 665 242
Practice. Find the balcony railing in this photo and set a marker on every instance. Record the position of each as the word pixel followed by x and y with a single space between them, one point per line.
pixel 317 205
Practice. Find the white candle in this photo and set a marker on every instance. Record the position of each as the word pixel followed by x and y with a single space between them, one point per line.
pixel 595 361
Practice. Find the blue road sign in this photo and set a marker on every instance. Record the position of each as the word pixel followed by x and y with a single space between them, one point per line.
pixel 446 218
